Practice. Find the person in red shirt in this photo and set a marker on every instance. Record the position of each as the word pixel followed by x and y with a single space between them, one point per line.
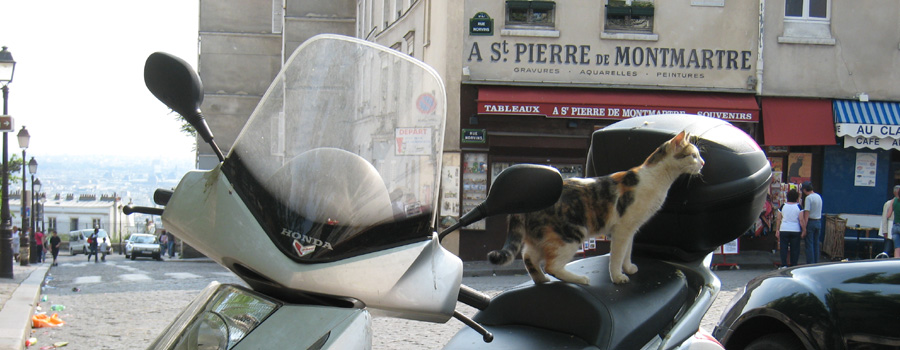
pixel 39 242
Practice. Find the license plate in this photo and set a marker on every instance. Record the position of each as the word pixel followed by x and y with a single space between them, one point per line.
pixel 145 252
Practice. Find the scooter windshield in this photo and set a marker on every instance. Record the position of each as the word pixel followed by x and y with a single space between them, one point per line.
pixel 342 156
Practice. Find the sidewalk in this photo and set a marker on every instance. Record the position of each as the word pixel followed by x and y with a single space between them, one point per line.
pixel 18 296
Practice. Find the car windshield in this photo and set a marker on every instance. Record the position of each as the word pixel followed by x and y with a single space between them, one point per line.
pixel 342 156
pixel 143 239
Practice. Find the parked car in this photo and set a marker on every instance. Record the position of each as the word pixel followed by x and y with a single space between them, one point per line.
pixel 78 241
pixel 842 305
pixel 140 244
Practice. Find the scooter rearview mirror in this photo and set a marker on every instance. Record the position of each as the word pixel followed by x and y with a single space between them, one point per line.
pixel 178 86
pixel 520 188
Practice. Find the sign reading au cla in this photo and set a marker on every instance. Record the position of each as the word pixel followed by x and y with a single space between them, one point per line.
pixel 481 24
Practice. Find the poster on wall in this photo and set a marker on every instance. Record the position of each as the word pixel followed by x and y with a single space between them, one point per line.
pixel 413 141
pixel 799 167
pixel 865 169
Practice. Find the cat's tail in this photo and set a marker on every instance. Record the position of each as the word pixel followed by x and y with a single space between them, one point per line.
pixel 513 243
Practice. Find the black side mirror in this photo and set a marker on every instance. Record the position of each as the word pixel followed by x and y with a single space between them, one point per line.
pixel 520 188
pixel 177 85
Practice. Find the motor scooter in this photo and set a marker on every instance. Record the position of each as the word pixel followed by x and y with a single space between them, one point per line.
pixel 311 208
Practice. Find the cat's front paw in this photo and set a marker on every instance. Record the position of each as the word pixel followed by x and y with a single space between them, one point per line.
pixel 630 269
pixel 619 278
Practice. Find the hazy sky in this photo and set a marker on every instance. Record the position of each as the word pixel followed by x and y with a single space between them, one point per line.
pixel 78 85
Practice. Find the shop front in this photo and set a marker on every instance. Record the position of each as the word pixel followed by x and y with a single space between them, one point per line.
pixel 796 132
pixel 507 125
pixel 863 172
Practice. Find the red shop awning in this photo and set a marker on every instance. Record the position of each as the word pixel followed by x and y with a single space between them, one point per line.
pixel 613 104
pixel 797 122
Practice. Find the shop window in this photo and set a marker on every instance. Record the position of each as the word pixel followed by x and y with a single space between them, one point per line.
pixel 629 16
pixel 807 22
pixel 530 13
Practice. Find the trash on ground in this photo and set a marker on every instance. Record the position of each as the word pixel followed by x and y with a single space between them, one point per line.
pixel 30 341
pixel 57 307
pixel 76 289
pixel 42 320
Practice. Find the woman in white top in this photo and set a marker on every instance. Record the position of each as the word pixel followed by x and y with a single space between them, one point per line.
pixel 15 243
pixel 788 228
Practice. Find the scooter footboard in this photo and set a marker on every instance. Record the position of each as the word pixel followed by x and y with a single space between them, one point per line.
pixel 602 315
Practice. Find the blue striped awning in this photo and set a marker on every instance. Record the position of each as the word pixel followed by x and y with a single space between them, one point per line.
pixel 855 112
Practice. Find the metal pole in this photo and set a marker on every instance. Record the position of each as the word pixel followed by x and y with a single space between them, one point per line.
pixel 31 214
pixel 30 243
pixel 6 265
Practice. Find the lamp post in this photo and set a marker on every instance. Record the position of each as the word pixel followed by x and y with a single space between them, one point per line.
pixel 25 246
pixel 35 191
pixel 7 68
pixel 32 169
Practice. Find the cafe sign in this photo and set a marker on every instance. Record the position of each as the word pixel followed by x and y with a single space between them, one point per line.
pixel 872 136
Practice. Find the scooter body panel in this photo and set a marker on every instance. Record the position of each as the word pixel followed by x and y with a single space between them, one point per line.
pixel 302 326
pixel 207 214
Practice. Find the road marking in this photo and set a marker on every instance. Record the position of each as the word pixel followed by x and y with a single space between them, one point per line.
pixel 135 277
pixel 181 275
pixel 226 274
pixel 86 279
pixel 131 269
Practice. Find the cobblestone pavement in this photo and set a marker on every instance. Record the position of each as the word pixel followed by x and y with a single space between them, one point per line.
pixel 122 304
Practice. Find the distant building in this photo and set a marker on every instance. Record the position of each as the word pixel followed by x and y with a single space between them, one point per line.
pixel 68 212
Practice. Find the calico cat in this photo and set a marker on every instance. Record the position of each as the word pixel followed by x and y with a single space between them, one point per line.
pixel 616 205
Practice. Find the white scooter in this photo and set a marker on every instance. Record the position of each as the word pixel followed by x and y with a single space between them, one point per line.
pixel 326 206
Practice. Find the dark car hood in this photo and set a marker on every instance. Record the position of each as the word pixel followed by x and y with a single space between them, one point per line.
pixel 844 302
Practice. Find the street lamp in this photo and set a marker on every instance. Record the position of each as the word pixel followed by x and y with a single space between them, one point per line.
pixel 35 257
pixel 7 68
pixel 25 246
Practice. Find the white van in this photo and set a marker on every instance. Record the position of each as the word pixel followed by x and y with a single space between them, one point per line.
pixel 78 241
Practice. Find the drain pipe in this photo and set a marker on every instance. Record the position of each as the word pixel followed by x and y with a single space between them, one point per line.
pixel 759 49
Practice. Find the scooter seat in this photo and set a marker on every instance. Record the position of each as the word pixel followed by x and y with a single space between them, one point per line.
pixel 603 314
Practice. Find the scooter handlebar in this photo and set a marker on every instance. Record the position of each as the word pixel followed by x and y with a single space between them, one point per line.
pixel 128 210
pixel 473 298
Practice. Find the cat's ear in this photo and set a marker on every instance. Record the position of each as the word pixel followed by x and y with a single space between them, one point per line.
pixel 680 141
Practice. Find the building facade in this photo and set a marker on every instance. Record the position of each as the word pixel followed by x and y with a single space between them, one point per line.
pixel 65 212
pixel 530 80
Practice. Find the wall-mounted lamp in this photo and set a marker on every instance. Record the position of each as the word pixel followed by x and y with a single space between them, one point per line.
pixel 751 82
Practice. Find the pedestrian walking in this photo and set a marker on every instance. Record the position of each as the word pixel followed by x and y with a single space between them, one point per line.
pixel 55 242
pixel 812 218
pixel 892 235
pixel 163 240
pixel 170 242
pixel 104 248
pixel 92 244
pixel 39 244
pixel 15 243
pixel 788 228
